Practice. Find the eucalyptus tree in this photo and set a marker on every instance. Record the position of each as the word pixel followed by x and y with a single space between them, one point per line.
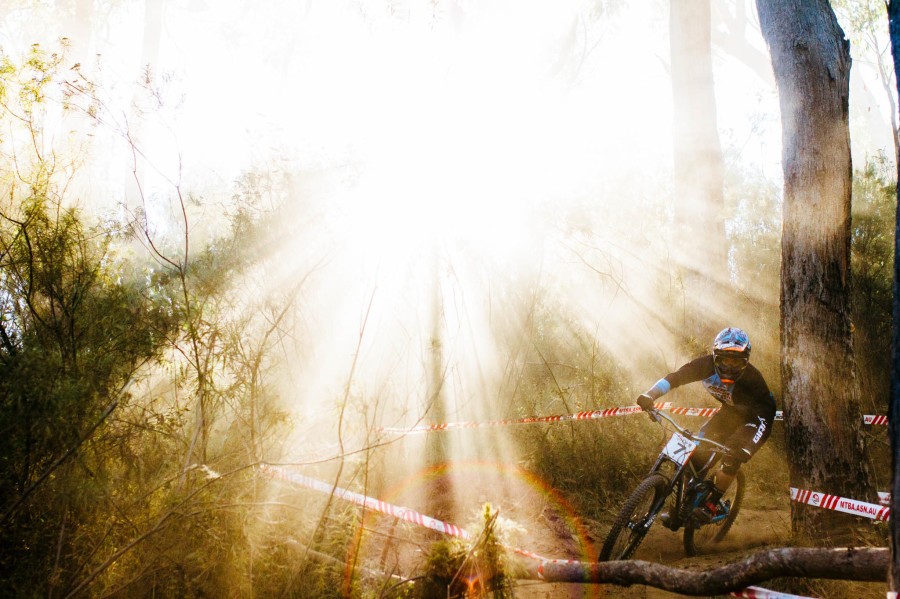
pixel 75 329
pixel 811 61
pixel 894 411
pixel 78 25
pixel 698 166
pixel 698 163
pixel 865 21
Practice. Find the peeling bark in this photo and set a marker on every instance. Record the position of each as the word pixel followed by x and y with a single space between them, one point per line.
pixel 811 61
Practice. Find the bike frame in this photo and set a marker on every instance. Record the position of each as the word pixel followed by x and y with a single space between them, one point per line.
pixel 683 473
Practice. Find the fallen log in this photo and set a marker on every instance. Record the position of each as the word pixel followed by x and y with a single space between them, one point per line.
pixel 865 564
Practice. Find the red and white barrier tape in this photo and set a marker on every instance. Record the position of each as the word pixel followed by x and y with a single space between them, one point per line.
pixel 841 504
pixel 449 529
pixel 875 419
pixel 590 415
pixel 376 505
pixel 363 500
pixel 706 412
pixel 761 593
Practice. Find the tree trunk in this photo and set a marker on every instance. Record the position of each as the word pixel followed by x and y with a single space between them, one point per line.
pixel 439 500
pixel 698 169
pixel 153 27
pixel 811 61
pixel 894 410
pixel 733 40
pixel 697 151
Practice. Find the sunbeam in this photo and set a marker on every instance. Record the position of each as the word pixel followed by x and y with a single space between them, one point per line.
pixel 275 237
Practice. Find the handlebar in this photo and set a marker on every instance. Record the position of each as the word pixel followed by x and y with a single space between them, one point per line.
pixel 655 414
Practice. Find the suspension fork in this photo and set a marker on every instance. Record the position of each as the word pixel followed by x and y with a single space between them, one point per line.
pixel 677 486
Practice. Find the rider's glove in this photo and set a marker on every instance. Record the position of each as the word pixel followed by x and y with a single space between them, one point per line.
pixel 645 401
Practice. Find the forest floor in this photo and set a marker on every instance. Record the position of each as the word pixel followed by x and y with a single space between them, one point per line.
pixel 757 528
pixel 764 522
pixel 538 519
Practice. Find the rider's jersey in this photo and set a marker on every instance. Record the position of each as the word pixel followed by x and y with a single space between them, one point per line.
pixel 749 393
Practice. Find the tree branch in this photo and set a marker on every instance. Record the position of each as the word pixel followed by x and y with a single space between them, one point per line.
pixel 58 461
pixel 867 564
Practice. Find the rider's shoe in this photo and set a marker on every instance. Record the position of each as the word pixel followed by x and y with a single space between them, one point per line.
pixel 666 520
pixel 709 506
pixel 703 514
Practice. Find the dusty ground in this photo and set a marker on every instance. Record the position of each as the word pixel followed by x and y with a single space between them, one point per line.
pixel 537 519
pixel 754 530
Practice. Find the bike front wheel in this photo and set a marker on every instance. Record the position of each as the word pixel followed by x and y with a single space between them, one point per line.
pixel 697 539
pixel 635 518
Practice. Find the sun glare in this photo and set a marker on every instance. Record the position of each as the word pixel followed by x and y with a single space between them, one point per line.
pixel 456 149
pixel 457 134
pixel 354 217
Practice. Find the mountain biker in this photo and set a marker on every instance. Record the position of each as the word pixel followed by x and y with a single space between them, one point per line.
pixel 743 423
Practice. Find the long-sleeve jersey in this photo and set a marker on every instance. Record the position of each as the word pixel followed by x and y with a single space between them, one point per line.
pixel 749 393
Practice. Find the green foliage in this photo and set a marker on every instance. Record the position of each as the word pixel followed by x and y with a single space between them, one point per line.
pixel 80 316
pixel 863 22
pixel 72 335
pixel 872 264
pixel 589 463
pixel 453 568
pixel 41 87
pixel 753 222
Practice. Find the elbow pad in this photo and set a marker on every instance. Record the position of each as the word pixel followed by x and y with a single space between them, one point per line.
pixel 660 388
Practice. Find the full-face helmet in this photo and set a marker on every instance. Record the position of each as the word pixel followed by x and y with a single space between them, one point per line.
pixel 731 353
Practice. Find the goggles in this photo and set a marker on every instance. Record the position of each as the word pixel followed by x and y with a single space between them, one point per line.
pixel 731 360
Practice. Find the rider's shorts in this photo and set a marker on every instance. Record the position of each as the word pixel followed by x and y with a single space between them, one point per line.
pixel 744 432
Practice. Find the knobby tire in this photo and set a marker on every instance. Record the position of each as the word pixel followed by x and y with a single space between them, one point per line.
pixel 695 540
pixel 635 511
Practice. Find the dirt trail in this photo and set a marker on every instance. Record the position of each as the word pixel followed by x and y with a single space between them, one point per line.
pixel 753 531
pixel 542 522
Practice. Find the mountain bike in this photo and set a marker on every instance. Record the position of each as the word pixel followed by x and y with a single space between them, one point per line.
pixel 676 484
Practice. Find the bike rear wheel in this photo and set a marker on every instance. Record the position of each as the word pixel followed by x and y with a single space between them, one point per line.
pixel 633 521
pixel 696 540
